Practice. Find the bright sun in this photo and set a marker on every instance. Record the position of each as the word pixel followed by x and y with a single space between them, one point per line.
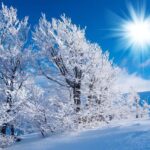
pixel 138 32
pixel 134 31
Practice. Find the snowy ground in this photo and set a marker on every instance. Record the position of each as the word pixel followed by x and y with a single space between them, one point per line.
pixel 124 136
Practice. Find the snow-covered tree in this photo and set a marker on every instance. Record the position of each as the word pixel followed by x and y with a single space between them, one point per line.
pixel 101 86
pixel 69 53
pixel 134 103
pixel 146 109
pixel 137 108
pixel 13 61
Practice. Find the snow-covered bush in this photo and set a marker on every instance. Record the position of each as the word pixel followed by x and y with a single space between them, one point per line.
pixel 6 140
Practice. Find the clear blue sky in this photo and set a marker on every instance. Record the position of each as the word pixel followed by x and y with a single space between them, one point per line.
pixel 96 16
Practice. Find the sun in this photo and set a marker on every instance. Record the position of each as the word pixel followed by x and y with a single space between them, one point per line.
pixel 138 32
pixel 134 30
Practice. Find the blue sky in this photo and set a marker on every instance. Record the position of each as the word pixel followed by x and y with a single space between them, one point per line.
pixel 98 17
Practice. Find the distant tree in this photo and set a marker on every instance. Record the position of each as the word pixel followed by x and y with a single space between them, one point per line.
pixel 146 109
pixel 137 109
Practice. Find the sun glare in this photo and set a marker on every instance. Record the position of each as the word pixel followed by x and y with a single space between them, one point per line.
pixel 134 31
pixel 138 32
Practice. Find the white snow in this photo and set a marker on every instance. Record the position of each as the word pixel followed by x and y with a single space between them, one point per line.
pixel 124 136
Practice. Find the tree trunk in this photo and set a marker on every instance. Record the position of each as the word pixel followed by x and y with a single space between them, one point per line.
pixel 4 128
pixel 76 96
pixel 137 108
pixel 12 130
pixel 6 125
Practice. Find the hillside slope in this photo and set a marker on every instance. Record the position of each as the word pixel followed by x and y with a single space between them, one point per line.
pixel 125 136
